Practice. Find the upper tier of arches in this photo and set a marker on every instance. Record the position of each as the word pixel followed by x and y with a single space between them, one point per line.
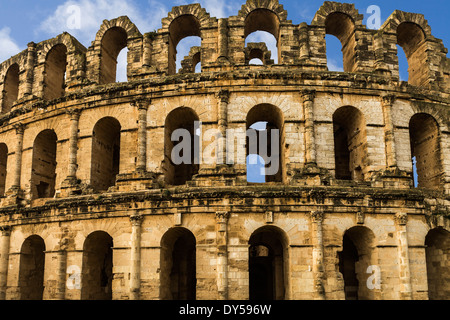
pixel 51 69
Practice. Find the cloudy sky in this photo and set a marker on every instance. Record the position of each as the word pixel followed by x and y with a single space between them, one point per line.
pixel 22 21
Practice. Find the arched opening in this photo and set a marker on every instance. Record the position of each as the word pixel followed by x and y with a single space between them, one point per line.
pixel 97 269
pixel 265 138
pixel 335 58
pixel 3 168
pixel 425 150
pixel 437 243
pixel 105 154
pixel 31 268
pixel 43 172
pixel 182 158
pixel 10 88
pixel 356 257
pixel 267 264
pixel 189 55
pixel 180 28
pixel 55 72
pixel 402 64
pixel 113 42
pixel 342 27
pixel 178 265
pixel 350 143
pixel 263 25
pixel 411 38
pixel 256 169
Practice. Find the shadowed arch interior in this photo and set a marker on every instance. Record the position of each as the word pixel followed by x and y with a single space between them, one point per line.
pixel 178 265
pixel 437 243
pixel 55 72
pixel 113 42
pixel 350 143
pixel 180 118
pixel 267 268
pixel 97 269
pixel 43 172
pixel 425 149
pixel 342 27
pixel 31 268
pixel 105 159
pixel 11 88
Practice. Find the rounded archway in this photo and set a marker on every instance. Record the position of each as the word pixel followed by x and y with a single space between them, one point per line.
pixel 437 244
pixel 31 268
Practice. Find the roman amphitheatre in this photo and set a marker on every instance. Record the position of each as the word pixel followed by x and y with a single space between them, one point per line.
pixel 93 207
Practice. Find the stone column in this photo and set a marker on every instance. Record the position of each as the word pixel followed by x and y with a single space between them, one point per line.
pixel 391 157
pixel 224 98
pixel 4 259
pixel 304 41
pixel 223 39
pixel 18 163
pixel 310 141
pixel 147 51
pixel 403 255
pixel 135 258
pixel 31 59
pixel 222 254
pixel 73 144
pixel 142 106
pixel 62 271
pixel 317 261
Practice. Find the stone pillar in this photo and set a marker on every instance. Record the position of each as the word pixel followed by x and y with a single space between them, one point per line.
pixel 222 254
pixel 135 258
pixel 62 271
pixel 4 259
pixel 391 157
pixel 310 141
pixel 147 50
pixel 73 144
pixel 304 41
pixel 224 98
pixel 18 158
pixel 31 60
pixel 223 39
pixel 317 261
pixel 403 255
pixel 142 106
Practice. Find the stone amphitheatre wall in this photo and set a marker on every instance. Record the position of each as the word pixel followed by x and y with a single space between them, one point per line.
pixel 93 207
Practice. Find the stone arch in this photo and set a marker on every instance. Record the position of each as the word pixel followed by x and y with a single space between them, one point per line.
pixel 412 34
pixel 43 169
pixel 190 62
pixel 179 172
pixel 273 156
pixel 437 244
pixel 10 87
pixel 350 143
pixel 268 264
pixel 341 20
pixel 358 253
pixel 183 21
pixel 178 278
pixel 55 72
pixel 113 36
pixel 105 156
pixel 97 267
pixel 425 137
pixel 31 268
pixel 258 51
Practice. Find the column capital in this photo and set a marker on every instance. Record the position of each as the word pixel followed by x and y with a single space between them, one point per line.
pixel 222 216
pixel 401 218
pixel 388 99
pixel 136 220
pixel 20 128
pixel 317 216
pixel 224 95
pixel 308 94
pixel 141 104
pixel 74 113
pixel 5 230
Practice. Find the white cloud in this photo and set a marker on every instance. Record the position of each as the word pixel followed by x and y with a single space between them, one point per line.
pixel 8 47
pixel 333 65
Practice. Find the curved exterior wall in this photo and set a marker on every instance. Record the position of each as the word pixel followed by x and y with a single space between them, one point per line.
pixel 303 218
